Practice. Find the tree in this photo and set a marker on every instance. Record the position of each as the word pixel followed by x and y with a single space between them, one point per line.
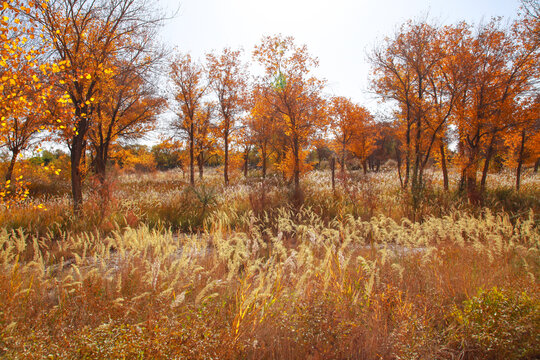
pixel 404 67
pixel 228 79
pixel 523 140
pixel 343 129
pixel 294 94
pixel 262 126
pixel 23 90
pixel 499 71
pixel 188 91
pixel 205 138
pixel 89 36
pixel 128 110
pixel 364 134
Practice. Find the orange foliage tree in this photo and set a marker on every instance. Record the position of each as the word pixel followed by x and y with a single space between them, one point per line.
pixel 343 127
pixel 23 89
pixel 205 136
pixel 295 94
pixel 403 69
pixel 499 71
pixel 365 134
pixel 228 80
pixel 128 110
pixel 87 38
pixel 188 91
pixel 352 129
pixel 262 126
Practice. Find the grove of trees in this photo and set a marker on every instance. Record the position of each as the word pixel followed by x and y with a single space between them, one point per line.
pixel 85 73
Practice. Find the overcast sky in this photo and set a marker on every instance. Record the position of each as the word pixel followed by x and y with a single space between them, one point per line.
pixel 338 32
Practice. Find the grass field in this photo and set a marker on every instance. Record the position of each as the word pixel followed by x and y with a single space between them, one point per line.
pixel 162 270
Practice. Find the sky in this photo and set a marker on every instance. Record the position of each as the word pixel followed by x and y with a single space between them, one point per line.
pixel 338 32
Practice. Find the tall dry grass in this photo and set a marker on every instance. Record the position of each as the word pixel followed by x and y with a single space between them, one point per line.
pixel 241 273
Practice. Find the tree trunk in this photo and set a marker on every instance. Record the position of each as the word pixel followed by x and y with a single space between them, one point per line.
pixel 364 165
pixel 407 155
pixel 520 160
pixel 469 175
pixel 536 165
pixel 486 166
pixel 444 168
pixel 296 170
pixel 343 163
pixel 200 162
pixel 264 162
pixel 333 168
pixel 191 158
pixel 100 163
pixel 246 159
pixel 398 159
pixel 77 154
pixel 226 167
pixel 9 173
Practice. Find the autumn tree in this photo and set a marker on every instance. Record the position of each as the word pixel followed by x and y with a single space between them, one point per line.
pixel 523 140
pixel 188 89
pixel 404 68
pixel 499 71
pixel 24 91
pixel 205 137
pixel 352 130
pixel 364 134
pixel 88 37
pixel 228 80
pixel 262 124
pixel 343 125
pixel 127 111
pixel 295 94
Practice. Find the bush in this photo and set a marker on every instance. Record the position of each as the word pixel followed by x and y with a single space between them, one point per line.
pixel 497 324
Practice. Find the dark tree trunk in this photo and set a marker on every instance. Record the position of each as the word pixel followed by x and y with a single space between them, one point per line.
pixel 398 159
pixel 226 167
pixel 264 162
pixel 444 168
pixel 191 157
pixel 520 160
pixel 246 159
pixel 100 162
pixel 200 162
pixel 364 165
pixel 296 170
pixel 11 166
pixel 343 163
pixel 407 156
pixel 485 171
pixel 536 165
pixel 77 154
pixel 333 168
pixel 469 175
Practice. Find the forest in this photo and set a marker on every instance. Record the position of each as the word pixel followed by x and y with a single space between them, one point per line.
pixel 159 206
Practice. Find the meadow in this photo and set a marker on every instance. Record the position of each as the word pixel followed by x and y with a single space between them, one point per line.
pixel 157 269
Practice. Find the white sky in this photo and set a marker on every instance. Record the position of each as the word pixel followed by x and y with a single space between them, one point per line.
pixel 338 32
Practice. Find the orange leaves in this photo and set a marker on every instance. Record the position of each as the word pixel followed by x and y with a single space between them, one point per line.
pixel 228 79
pixel 297 98
pixel 352 128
